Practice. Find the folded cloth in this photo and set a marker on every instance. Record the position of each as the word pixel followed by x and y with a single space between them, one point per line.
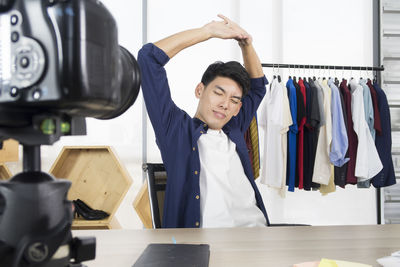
pixel 307 264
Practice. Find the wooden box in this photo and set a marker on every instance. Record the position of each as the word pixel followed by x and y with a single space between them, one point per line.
pixel 98 178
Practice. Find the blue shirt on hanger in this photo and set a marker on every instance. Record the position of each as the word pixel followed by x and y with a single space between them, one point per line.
pixel 293 130
pixel 383 143
pixel 340 142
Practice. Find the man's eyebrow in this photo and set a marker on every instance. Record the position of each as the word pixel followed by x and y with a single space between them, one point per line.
pixel 220 88
pixel 223 90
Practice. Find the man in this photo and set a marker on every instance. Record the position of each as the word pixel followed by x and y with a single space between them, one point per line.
pixel 210 181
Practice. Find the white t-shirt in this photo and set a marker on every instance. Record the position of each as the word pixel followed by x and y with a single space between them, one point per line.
pixel 227 198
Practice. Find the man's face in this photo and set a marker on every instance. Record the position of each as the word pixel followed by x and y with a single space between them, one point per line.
pixel 218 102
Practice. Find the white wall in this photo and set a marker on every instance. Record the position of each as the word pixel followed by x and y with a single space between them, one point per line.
pixel 288 31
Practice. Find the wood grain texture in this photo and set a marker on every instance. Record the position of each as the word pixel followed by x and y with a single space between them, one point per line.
pixel 269 246
pixel 98 178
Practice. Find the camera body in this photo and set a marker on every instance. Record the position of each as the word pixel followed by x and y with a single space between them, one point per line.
pixel 62 58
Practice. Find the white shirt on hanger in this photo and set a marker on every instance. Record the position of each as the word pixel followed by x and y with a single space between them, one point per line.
pixel 273 119
pixel 322 165
pixel 368 163
pixel 227 197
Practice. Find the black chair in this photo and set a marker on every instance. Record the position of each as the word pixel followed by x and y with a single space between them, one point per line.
pixel 157 181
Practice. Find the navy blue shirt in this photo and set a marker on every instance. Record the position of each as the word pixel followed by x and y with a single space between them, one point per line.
pixel 177 134
pixel 383 143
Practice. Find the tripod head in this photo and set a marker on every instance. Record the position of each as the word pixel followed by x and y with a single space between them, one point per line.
pixel 35 215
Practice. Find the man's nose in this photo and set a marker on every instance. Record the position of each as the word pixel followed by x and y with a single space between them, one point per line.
pixel 224 103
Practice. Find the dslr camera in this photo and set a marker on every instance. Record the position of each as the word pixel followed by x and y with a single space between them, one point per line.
pixel 60 62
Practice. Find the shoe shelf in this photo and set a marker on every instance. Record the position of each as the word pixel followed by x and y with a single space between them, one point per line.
pixel 98 178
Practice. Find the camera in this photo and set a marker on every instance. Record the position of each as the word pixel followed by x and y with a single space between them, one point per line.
pixel 62 57
pixel 60 62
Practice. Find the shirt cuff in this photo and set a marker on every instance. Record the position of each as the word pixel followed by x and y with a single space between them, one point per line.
pixel 159 55
pixel 258 82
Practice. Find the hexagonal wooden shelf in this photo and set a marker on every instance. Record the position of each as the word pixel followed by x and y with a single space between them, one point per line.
pixel 141 204
pixel 9 151
pixel 98 178
pixel 5 173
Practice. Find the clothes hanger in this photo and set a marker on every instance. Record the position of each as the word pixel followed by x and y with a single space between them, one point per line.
pixel 279 76
pixel 314 74
pixel 294 73
pixel 273 70
pixel 336 82
pixel 343 79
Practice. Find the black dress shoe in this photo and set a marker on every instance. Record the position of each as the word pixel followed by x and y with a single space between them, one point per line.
pixel 86 207
pixel 82 210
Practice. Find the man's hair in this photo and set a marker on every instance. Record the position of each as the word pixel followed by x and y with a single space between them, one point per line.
pixel 232 69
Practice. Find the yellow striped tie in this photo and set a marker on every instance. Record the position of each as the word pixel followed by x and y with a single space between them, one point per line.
pixel 254 146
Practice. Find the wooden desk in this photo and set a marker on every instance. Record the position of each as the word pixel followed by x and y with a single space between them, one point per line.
pixel 272 246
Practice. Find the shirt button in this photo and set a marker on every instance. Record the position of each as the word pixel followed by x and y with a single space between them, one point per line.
pixel 201 132
pixel 194 148
pixel 196 172
pixel 197 196
pixel 197 224
pixel 204 125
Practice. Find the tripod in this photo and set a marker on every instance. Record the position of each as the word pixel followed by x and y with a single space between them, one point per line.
pixel 36 218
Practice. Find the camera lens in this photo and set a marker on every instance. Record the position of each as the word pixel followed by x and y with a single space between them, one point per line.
pixel 129 84
pixel 24 62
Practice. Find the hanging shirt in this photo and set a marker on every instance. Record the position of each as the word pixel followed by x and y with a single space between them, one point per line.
pixel 302 122
pixel 311 133
pixel 368 163
pixel 341 172
pixel 227 198
pixel 351 134
pixel 322 165
pixel 340 142
pixel 271 119
pixel 291 159
pixel 377 117
pixel 383 142
pixel 286 123
pixel 368 107
pixel 320 93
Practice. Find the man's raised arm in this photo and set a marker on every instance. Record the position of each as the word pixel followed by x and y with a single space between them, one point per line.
pixel 173 44
pixel 251 61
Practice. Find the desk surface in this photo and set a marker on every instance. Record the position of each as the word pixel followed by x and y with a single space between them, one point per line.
pixel 269 246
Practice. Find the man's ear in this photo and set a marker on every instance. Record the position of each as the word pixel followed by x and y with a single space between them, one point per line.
pixel 199 90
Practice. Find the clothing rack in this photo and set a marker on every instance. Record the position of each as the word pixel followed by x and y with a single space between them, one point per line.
pixel 331 67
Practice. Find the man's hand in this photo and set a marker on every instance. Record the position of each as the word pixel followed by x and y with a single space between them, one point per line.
pixel 225 29
pixel 228 29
